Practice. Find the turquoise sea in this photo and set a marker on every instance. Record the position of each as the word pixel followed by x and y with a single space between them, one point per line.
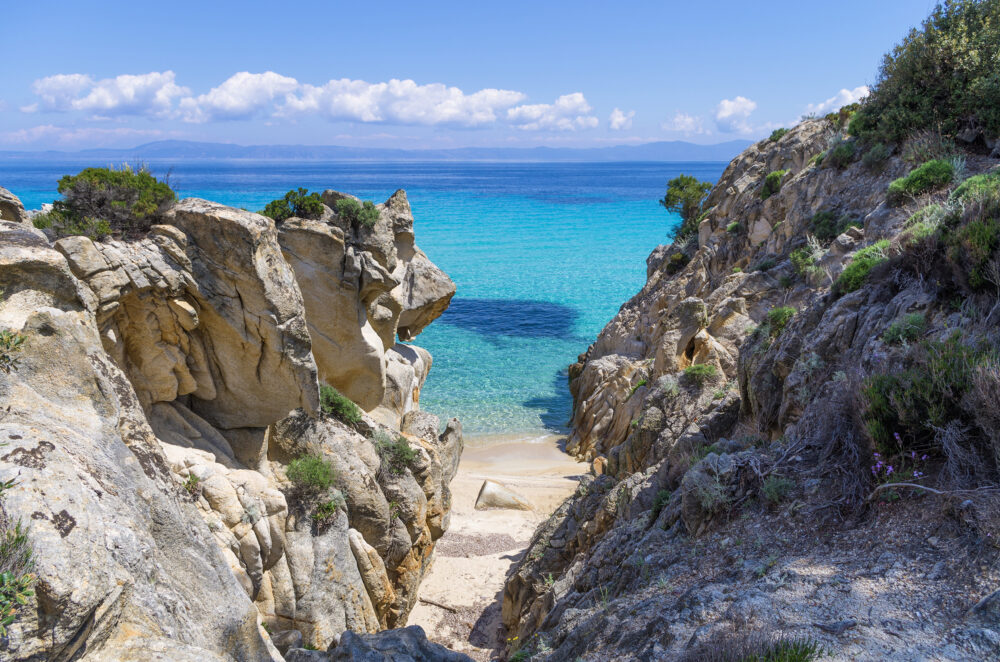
pixel 543 255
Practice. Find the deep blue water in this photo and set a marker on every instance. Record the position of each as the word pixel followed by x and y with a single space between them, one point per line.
pixel 543 255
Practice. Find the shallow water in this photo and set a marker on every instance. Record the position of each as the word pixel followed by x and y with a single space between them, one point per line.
pixel 543 256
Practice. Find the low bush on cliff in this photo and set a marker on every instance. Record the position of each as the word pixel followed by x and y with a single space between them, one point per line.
pixel 941 76
pixel 311 475
pixel 395 452
pixel 298 203
pixel 748 645
pixel 686 196
pixel 828 225
pixel 923 402
pixel 364 214
pixel 929 177
pixel 841 153
pixel 16 564
pixel 772 184
pixel 326 512
pixel 906 330
pixel 700 373
pixel 778 318
pixel 10 344
pixel 876 156
pixel 97 202
pixel 677 262
pixel 856 273
pixel 338 405
pixel 778 134
pixel 978 187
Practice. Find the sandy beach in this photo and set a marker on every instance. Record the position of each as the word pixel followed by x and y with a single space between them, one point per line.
pixel 472 559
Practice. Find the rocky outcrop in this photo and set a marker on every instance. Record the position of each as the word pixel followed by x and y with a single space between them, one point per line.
pixel 402 645
pixel 11 208
pixel 363 287
pixel 163 388
pixel 721 490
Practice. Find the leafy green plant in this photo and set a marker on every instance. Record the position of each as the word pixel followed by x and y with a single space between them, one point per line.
pixel 11 343
pixel 776 488
pixel 98 201
pixel 778 134
pixel 734 227
pixel 365 214
pixel 192 485
pixel 753 646
pixel 926 178
pixel 639 384
pixel 16 564
pixel 298 203
pixel 841 153
pixel 942 76
pixel 856 273
pixel 765 265
pixel 327 511
pixel 778 318
pixel 311 474
pixel 906 330
pixel 772 184
pixel 876 156
pixel 818 159
pixel 978 186
pixel 700 373
pixel 677 262
pixel 395 453
pixel 660 502
pixel 338 405
pixel 685 196
pixel 828 225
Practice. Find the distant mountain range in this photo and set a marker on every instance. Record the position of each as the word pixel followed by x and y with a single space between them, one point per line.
pixel 676 150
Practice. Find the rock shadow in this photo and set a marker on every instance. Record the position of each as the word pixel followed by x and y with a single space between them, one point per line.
pixel 555 410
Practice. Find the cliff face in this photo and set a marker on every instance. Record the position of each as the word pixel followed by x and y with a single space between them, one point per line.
pixel 729 500
pixel 162 390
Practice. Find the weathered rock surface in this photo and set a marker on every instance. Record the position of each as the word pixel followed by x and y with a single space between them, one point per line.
pixel 735 502
pixel 11 208
pixel 402 645
pixel 164 386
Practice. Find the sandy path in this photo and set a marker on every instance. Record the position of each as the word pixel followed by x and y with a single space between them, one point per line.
pixel 473 557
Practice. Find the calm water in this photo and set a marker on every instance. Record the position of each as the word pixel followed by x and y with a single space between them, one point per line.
pixel 543 256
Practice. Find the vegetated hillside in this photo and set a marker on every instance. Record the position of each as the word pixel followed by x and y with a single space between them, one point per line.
pixel 795 425
pixel 179 478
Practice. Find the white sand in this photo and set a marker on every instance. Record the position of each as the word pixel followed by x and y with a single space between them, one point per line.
pixel 474 556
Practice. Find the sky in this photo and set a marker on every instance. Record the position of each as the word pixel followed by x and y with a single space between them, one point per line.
pixel 432 74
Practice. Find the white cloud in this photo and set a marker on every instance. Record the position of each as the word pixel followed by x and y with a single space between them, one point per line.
pixel 238 97
pixel 687 124
pixel 568 113
pixel 836 102
pixel 731 115
pixel 400 102
pixel 145 94
pixel 57 135
pixel 620 121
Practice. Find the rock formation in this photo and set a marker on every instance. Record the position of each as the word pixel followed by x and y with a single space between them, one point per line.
pixel 733 494
pixel 163 388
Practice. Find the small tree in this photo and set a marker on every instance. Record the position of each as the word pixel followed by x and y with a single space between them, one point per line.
pixel 300 203
pixel 685 196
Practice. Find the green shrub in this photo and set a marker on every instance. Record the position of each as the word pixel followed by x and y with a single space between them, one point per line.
pixel 10 344
pixel 765 265
pixel 841 154
pixel 685 196
pixel 941 76
pixel 828 225
pixel 700 373
pixel 818 159
pixel 338 405
pixel 772 184
pixel 778 318
pixel 311 474
pixel 978 186
pixel 395 453
pixel 775 488
pixel 906 330
pixel 327 511
pixel 856 273
pixel 296 203
pixel 638 385
pixel 192 485
pixel 98 201
pixel 748 645
pixel 778 134
pixel 973 246
pixel 660 502
pixel 902 408
pixel 733 227
pixel 677 262
pixel 929 177
pixel 876 156
pixel 365 214
pixel 803 261
pixel 16 564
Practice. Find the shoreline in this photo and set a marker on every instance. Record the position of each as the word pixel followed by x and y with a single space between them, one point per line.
pixel 461 594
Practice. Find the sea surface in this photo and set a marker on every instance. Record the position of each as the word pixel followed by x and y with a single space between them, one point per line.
pixel 543 255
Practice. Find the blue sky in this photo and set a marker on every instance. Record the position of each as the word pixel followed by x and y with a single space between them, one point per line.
pixel 431 74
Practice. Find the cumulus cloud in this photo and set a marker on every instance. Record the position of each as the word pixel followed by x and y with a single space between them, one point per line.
pixel 568 113
pixel 620 121
pixel 244 95
pixel 687 124
pixel 57 135
pixel 843 98
pixel 400 102
pixel 731 115
pixel 144 94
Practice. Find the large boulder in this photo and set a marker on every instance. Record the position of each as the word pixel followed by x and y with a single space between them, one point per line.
pixel 11 208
